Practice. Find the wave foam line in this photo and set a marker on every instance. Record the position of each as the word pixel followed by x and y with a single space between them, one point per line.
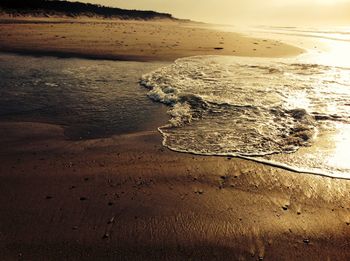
pixel 344 176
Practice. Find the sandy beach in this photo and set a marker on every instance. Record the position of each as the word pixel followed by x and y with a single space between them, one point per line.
pixel 129 40
pixel 126 197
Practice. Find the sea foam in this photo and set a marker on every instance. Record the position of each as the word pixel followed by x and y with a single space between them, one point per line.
pixel 247 107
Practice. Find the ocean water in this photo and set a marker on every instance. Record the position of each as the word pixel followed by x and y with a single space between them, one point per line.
pixel 339 33
pixel 90 98
pixel 293 113
pixel 289 112
pixel 324 45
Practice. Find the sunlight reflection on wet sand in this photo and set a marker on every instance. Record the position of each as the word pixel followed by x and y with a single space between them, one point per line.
pixel 323 46
pixel 332 146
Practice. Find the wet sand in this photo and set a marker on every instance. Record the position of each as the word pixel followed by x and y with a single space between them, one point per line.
pixel 129 40
pixel 128 198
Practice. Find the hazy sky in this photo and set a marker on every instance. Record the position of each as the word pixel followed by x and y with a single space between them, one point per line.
pixel 245 11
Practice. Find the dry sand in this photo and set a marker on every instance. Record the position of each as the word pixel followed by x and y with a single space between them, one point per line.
pixel 130 40
pixel 128 198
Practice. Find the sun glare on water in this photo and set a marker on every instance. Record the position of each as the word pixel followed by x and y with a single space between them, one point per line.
pixel 340 155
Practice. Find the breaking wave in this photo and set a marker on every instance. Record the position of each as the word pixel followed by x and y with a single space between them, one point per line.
pixel 241 107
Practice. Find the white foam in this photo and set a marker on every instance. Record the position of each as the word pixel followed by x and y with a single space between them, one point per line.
pixel 180 115
pixel 247 107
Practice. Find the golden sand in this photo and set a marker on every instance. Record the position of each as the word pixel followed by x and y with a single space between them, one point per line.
pixel 131 40
pixel 128 198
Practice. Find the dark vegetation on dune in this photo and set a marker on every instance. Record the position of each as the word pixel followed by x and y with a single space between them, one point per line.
pixel 73 9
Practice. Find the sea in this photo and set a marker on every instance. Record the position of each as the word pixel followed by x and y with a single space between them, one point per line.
pixel 292 112
pixel 89 98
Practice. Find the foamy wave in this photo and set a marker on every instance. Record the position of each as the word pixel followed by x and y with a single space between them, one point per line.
pixel 180 115
pixel 246 107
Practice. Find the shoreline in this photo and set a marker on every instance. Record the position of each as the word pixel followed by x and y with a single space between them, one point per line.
pixel 67 55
